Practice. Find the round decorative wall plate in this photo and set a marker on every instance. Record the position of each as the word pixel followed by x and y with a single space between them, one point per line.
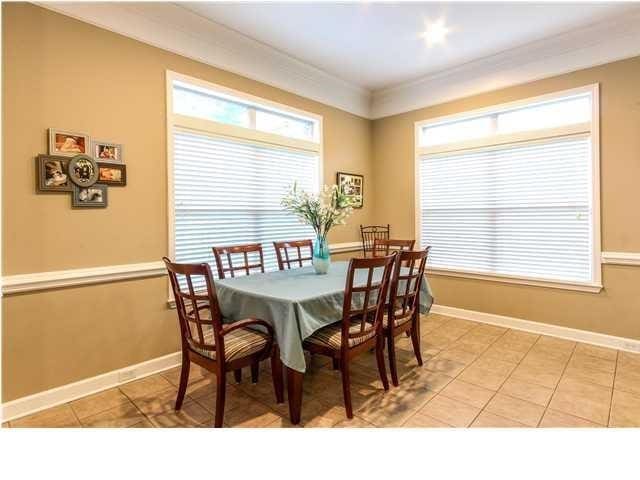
pixel 83 170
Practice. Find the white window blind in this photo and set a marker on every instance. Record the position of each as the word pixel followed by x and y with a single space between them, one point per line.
pixel 520 208
pixel 228 192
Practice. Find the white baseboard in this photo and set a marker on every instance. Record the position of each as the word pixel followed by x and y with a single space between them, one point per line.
pixel 72 391
pixel 584 336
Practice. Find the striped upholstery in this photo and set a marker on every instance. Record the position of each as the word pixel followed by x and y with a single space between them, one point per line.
pixel 331 335
pixel 237 343
pixel 397 322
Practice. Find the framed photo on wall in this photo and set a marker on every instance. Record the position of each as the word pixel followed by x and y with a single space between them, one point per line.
pixel 352 185
pixel 52 174
pixel 106 151
pixel 112 174
pixel 67 144
pixel 94 196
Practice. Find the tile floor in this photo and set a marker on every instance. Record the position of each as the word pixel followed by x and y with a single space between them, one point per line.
pixel 474 375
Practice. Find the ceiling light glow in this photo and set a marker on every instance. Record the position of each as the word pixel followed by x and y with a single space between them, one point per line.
pixel 435 32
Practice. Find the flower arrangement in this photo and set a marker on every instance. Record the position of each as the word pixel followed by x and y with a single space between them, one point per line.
pixel 321 211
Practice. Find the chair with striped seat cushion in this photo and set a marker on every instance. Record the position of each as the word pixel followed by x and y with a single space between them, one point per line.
pixel 331 335
pixel 237 344
pixel 402 312
pixel 361 327
pixel 203 332
pixel 399 319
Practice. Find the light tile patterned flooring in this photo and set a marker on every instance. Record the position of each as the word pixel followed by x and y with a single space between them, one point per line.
pixel 474 375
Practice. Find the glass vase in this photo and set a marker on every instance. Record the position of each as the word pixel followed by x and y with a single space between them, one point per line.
pixel 321 256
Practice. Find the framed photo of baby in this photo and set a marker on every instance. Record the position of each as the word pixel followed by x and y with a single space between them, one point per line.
pixel 52 174
pixel 112 174
pixel 106 152
pixel 67 144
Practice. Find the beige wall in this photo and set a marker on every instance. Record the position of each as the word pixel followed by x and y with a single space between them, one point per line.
pixel 616 310
pixel 59 72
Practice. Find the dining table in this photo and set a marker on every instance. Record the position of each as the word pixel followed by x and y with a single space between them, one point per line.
pixel 296 302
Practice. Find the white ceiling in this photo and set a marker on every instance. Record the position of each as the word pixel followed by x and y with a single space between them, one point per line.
pixel 368 58
pixel 377 46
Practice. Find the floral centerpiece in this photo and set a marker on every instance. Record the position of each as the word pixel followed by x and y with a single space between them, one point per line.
pixel 321 211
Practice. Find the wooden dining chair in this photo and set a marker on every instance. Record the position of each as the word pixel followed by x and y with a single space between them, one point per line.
pixel 233 251
pixel 383 247
pixel 402 313
pixel 218 347
pixel 369 233
pixel 360 329
pixel 296 256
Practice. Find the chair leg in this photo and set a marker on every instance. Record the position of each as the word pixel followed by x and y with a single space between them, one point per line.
pixel 221 384
pixel 346 385
pixel 184 380
pixel 336 363
pixel 255 367
pixel 415 340
pixel 237 374
pixel 392 359
pixel 276 373
pixel 380 358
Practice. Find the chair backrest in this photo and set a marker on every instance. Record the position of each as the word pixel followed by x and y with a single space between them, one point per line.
pixel 369 233
pixel 365 296
pixel 231 251
pixel 198 312
pixel 406 280
pixel 285 259
pixel 382 247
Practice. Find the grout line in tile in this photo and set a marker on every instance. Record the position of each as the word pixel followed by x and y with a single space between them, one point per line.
pixel 613 387
pixel 508 376
pixel 467 366
pixel 573 351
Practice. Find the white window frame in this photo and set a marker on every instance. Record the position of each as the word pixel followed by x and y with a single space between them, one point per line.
pixel 223 130
pixel 590 128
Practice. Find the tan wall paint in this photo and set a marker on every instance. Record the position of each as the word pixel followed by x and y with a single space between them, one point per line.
pixel 59 72
pixel 616 310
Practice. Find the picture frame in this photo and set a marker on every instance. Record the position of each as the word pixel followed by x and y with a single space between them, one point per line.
pixel 352 185
pixel 106 152
pixel 114 174
pixel 83 170
pixel 64 143
pixel 94 196
pixel 52 174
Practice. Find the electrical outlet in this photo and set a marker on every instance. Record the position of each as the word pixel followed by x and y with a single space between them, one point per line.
pixel 126 375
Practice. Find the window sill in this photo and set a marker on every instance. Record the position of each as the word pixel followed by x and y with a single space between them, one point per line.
pixel 576 286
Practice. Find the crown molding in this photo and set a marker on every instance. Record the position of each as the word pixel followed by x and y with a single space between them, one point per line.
pixel 173 28
pixel 604 42
pixel 176 29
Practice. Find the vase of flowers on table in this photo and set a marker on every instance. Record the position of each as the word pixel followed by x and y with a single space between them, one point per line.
pixel 321 211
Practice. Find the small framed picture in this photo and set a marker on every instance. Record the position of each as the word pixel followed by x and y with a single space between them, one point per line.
pixel 94 196
pixel 83 170
pixel 106 152
pixel 67 144
pixel 112 174
pixel 352 185
pixel 52 174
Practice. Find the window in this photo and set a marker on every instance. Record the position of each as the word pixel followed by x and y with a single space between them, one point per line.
pixel 232 158
pixel 511 192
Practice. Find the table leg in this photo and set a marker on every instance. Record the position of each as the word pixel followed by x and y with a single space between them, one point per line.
pixel 294 391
